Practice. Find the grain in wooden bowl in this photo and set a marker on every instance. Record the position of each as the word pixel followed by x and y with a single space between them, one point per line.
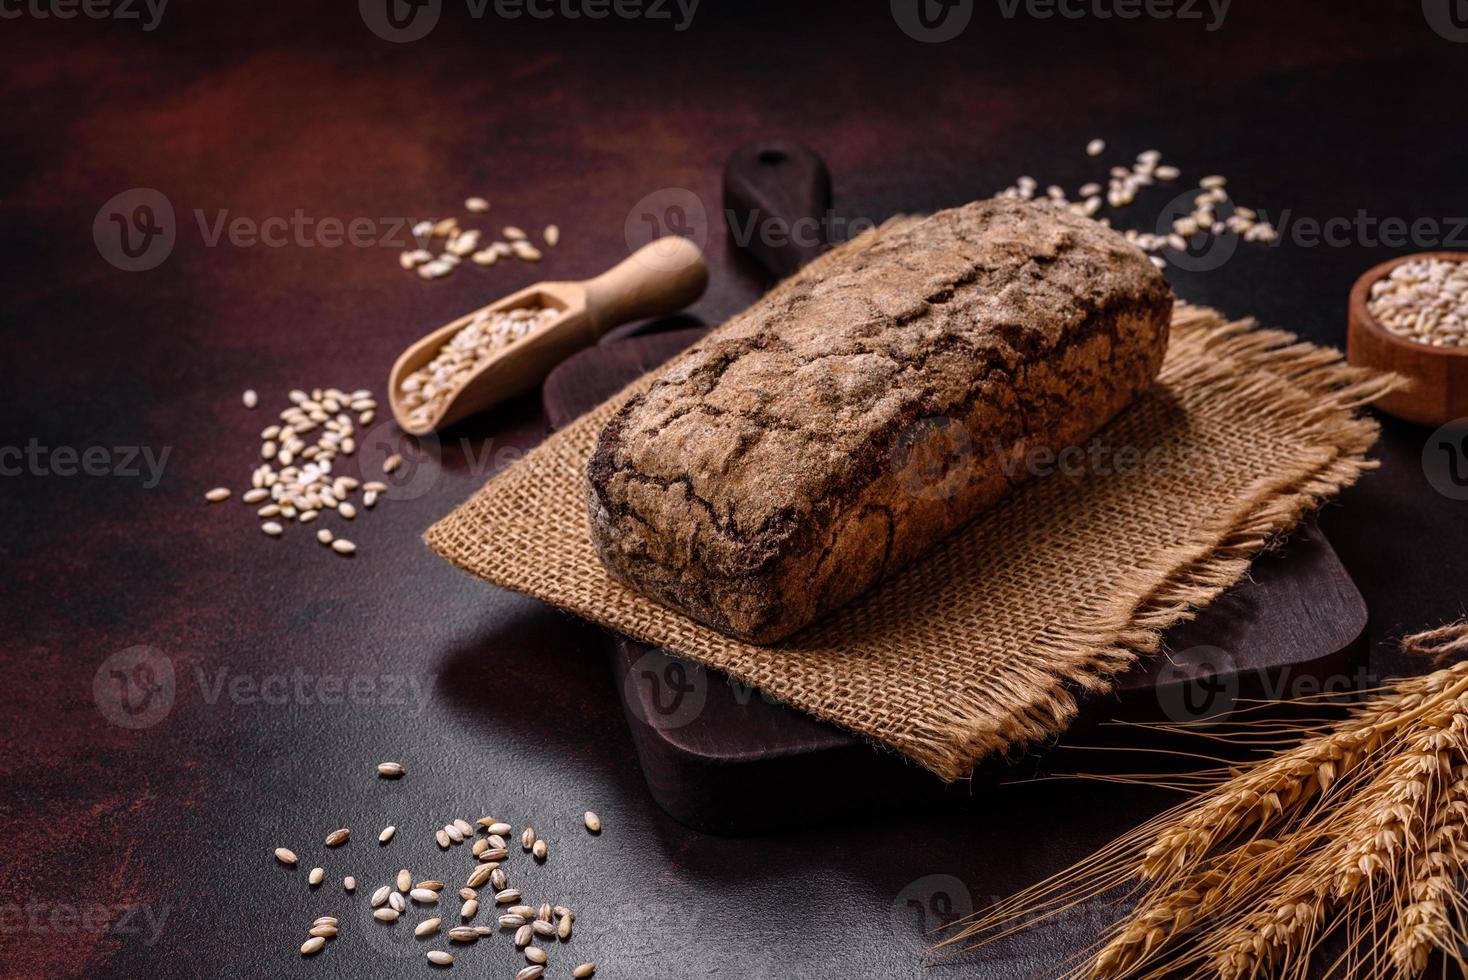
pixel 1409 315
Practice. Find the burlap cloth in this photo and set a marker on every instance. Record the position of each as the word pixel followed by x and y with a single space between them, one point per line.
pixel 984 643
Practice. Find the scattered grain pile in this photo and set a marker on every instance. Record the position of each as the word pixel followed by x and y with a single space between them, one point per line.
pixel 458 243
pixel 295 482
pixel 537 931
pixel 1123 182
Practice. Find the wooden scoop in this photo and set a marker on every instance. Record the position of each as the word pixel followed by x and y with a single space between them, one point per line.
pixel 660 278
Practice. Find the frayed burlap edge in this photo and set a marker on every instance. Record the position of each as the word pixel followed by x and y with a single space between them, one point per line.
pixel 1321 401
pixel 1268 372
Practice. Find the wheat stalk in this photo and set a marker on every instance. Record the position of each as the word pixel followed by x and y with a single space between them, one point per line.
pixel 1360 828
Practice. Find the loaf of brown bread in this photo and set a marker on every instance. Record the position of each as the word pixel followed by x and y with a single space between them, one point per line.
pixel 868 407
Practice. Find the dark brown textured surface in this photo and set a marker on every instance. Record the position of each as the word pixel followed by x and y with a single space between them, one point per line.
pixel 754 486
pixel 262 110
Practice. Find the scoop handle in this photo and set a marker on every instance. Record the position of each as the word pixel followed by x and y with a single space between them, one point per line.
pixel 659 278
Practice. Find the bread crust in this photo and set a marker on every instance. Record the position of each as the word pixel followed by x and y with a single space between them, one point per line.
pixel 867 408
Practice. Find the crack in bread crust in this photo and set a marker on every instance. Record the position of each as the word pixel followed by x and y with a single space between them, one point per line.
pixel 754 486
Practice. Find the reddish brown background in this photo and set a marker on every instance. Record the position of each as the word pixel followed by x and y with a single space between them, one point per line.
pixel 266 108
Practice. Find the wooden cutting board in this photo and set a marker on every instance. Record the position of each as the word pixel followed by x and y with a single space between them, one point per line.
pixel 720 757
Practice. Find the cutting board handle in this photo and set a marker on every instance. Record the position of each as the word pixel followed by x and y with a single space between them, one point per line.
pixel 777 200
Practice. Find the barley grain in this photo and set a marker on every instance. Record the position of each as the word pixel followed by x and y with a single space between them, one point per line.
pixel 523 936
pixel 343 547
pixel 592 821
pixel 534 954
pixel 464 934
pixel 507 896
pixel 379 897
pixel 338 837
pixel 469 909
pixel 217 494
pixel 1095 148
pixel 285 855
pixel 390 769
pixel 478 205
pixel 312 945
pixel 397 902
pixel 386 914
pixel 427 927
pixel 386 834
pixel 530 973
pixel 349 883
pixel 439 958
pixel 316 877
pixel 583 971
pixel 323 931
pixel 539 850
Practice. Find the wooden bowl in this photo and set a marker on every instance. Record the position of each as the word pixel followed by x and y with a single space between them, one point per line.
pixel 1438 391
